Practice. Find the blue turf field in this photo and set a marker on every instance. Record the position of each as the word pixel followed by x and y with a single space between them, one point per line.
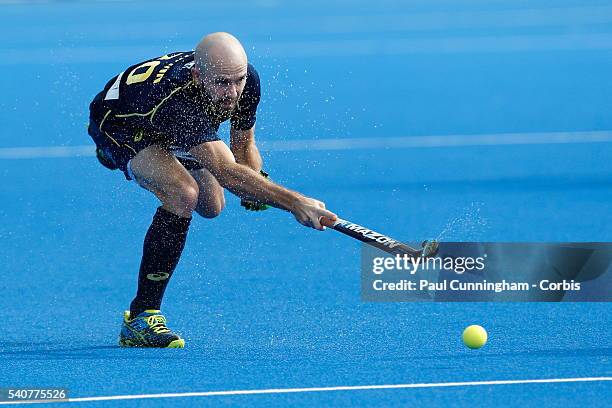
pixel 263 302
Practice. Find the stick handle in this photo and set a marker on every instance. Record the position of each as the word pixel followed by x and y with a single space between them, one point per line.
pixel 377 239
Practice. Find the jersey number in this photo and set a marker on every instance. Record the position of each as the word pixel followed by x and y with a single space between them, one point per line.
pixel 138 75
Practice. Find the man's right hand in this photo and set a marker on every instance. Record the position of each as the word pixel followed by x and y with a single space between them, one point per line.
pixel 308 211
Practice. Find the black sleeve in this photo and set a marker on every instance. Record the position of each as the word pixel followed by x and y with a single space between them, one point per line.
pixel 246 114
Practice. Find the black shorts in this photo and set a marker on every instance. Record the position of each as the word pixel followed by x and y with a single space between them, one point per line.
pixel 116 147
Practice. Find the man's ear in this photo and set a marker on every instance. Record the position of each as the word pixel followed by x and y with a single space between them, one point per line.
pixel 195 73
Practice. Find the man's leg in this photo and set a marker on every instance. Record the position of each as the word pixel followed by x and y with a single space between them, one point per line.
pixel 158 171
pixel 211 200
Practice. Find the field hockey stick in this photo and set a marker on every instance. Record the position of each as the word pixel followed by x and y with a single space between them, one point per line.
pixel 378 240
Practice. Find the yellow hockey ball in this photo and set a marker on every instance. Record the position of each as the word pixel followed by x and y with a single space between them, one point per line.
pixel 474 336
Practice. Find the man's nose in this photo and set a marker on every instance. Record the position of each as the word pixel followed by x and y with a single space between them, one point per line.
pixel 232 91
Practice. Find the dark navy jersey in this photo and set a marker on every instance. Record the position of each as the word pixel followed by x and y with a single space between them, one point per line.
pixel 158 100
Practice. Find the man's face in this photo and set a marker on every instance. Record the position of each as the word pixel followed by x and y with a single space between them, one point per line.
pixel 224 86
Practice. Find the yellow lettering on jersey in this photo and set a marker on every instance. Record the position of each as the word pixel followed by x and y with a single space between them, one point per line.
pixel 168 56
pixel 134 78
pixel 161 73
pixel 138 136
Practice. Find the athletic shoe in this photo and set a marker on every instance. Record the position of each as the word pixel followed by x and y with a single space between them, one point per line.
pixel 148 329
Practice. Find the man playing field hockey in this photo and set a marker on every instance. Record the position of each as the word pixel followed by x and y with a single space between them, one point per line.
pixel 157 121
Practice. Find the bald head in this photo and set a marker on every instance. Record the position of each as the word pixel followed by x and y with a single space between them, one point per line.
pixel 221 52
pixel 220 69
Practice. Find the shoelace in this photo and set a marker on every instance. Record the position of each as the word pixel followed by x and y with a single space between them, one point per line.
pixel 157 323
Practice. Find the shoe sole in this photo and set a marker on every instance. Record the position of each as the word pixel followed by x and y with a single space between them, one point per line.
pixel 180 343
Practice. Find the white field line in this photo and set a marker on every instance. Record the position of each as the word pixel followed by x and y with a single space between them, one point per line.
pixel 439 141
pixel 571 18
pixel 273 391
pixel 327 48
pixel 373 143
pixel 46 152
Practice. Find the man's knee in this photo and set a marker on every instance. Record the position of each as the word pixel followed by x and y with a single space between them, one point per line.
pixel 211 207
pixel 182 197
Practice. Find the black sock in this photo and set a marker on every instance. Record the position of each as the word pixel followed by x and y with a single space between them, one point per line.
pixel 162 249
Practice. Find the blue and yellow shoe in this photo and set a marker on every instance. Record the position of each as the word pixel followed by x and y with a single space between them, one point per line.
pixel 148 329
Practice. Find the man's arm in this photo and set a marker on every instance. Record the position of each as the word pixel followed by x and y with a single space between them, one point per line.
pixel 242 145
pixel 245 182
